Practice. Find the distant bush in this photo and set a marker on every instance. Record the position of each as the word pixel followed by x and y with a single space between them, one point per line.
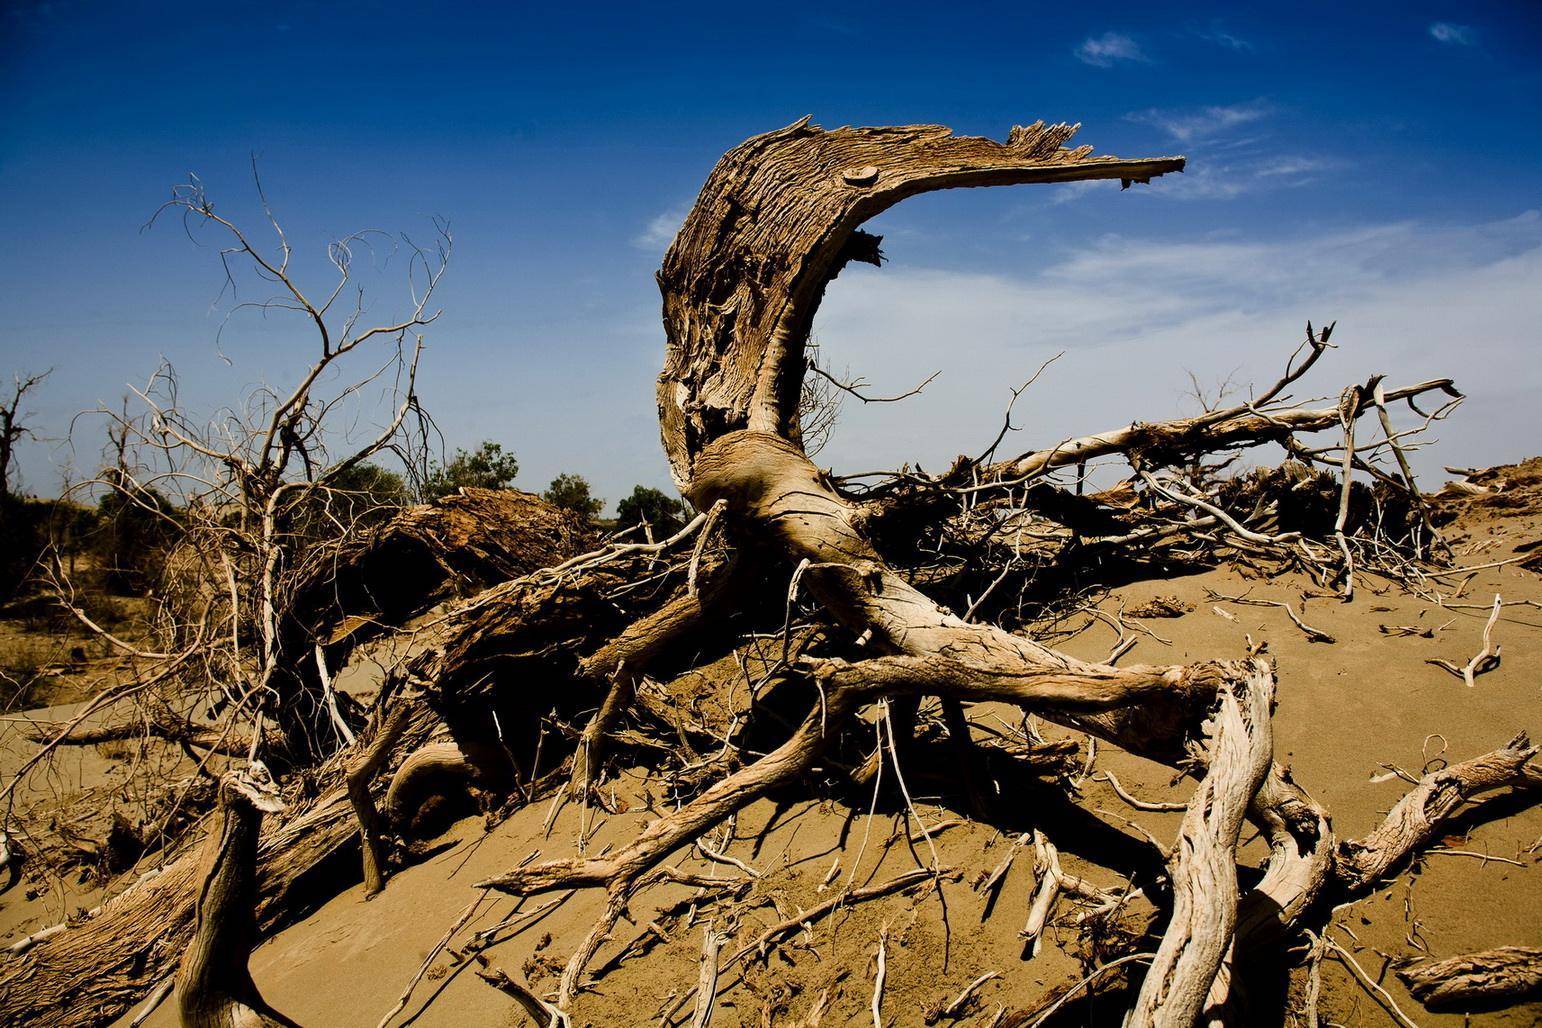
pixel 28 527
pixel 486 467
pixel 131 539
pixel 664 514
pixel 571 492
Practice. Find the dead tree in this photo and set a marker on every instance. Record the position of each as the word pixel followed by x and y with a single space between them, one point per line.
pixel 777 220
pixel 13 427
pixel 259 499
pixel 263 489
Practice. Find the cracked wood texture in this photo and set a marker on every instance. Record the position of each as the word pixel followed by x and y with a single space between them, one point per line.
pixel 1417 817
pixel 776 221
pixel 1204 862
pixel 1477 981
pixel 774 225
pixel 214 986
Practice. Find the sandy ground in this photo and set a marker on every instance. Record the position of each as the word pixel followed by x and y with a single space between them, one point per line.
pixel 1346 711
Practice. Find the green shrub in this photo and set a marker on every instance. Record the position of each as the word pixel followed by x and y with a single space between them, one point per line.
pixel 486 467
pixel 664 514
pixel 571 492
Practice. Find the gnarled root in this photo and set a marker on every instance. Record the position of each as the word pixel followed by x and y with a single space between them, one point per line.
pixel 424 778
pixel 623 660
pixel 361 773
pixel 658 840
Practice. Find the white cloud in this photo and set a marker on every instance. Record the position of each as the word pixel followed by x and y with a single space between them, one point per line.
pixel 1133 315
pixel 1294 167
pixel 1227 40
pixel 1228 164
pixel 1223 178
pixel 660 232
pixel 1070 192
pixel 1457 35
pixel 1109 49
pixel 1186 126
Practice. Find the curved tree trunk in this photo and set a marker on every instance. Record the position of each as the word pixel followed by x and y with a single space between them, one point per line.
pixel 214 986
pixel 778 219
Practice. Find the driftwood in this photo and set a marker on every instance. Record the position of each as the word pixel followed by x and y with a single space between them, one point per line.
pixel 1418 816
pixel 1474 981
pixel 119 953
pixel 359 775
pixel 1204 871
pixel 728 408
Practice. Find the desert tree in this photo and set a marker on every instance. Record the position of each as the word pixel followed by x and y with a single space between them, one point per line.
pixel 13 424
pixel 662 514
pixel 20 537
pixel 571 491
pixel 256 495
pixel 486 467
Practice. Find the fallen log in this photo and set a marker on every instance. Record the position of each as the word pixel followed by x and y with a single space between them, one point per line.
pixel 1477 981
pixel 97 968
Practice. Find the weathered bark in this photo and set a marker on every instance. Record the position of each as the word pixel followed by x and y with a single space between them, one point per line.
pixel 1300 868
pixel 774 225
pixel 458 544
pixel 776 221
pixel 1207 433
pixel 425 773
pixel 214 986
pixel 623 659
pixel 1204 863
pixel 99 967
pixel 1417 817
pixel 1475 981
pixel 360 775
pixel 1150 710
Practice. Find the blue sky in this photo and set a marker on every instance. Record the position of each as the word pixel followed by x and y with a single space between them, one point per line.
pixel 1378 164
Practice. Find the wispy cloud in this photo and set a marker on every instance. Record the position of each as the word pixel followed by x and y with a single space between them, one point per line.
pixel 1294 167
pixel 1109 49
pixel 1186 126
pixel 1217 176
pixel 1070 192
pixel 1454 35
pixel 1227 163
pixel 1222 38
pixel 1225 178
pixel 1413 300
pixel 660 232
